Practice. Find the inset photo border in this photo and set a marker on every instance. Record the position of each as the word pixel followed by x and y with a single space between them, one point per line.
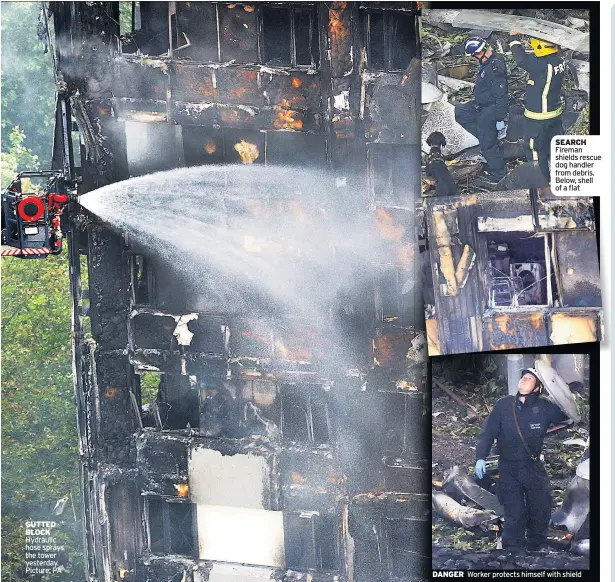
pixel 510 462
pixel 507 270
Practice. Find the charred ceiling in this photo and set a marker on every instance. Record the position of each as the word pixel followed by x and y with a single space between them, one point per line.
pixel 214 437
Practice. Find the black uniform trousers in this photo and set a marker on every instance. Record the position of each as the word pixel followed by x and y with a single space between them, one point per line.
pixel 523 490
pixel 538 134
pixel 481 124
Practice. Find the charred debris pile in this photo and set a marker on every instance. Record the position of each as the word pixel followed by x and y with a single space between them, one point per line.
pixel 448 77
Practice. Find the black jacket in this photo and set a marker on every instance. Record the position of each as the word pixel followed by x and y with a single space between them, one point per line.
pixel 535 416
pixel 544 83
pixel 491 86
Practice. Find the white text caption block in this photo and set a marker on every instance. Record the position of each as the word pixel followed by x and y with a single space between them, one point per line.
pixel 578 166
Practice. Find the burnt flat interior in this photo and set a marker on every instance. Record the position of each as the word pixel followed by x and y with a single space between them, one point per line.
pixel 518 270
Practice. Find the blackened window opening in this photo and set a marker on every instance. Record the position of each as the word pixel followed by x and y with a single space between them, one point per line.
pixel 129 12
pixel 393 172
pixel 171 527
pixel 276 36
pixel 178 404
pixel 155 511
pixel 306 37
pixel 181 525
pixel 290 36
pixel 390 39
pixel 408 547
pixel 403 41
pixel 311 541
pixel 305 415
pixel 328 548
pixel 142 280
pixel 376 41
pixel 517 271
pixel 154 39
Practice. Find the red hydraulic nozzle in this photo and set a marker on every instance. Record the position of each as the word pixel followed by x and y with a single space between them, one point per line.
pixel 55 201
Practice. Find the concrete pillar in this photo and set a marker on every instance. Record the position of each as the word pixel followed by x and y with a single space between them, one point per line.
pixel 514 367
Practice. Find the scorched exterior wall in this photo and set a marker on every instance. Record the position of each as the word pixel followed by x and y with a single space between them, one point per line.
pixel 345 494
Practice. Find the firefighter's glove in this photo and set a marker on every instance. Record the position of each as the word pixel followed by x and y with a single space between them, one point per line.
pixel 513 39
pixel 480 469
pixel 502 128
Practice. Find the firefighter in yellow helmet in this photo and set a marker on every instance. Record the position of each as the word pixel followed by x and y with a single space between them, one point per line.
pixel 543 102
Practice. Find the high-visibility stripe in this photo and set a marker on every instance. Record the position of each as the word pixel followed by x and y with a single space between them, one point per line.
pixel 546 115
pixel 12 252
pixel 514 42
pixel 545 91
pixel 534 152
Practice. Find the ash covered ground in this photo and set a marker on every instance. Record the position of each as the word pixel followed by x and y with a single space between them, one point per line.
pixel 478 382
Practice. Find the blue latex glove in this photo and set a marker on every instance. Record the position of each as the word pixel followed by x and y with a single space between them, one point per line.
pixel 500 125
pixel 480 469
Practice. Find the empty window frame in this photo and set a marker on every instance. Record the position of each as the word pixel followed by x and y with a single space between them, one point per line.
pixel 171 527
pixel 305 414
pixel 238 32
pixel 261 401
pixel 196 36
pixel 146 388
pixel 122 501
pixel 76 145
pixel 401 415
pixel 392 303
pixel 238 409
pixel 290 36
pixel 390 39
pixel 519 270
pixel 144 26
pixel 311 541
pixel 178 403
pixel 141 280
pixel 84 299
pixel 130 17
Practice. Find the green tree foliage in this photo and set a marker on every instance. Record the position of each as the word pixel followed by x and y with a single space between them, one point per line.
pixel 126 17
pixel 39 436
pixel 37 391
pixel 39 440
pixel 17 159
pixel 28 99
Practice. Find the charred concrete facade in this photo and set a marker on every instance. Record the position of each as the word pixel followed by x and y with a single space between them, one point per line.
pixel 507 270
pixel 260 455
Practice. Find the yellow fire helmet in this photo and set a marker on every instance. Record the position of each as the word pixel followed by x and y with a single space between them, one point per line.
pixel 542 48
